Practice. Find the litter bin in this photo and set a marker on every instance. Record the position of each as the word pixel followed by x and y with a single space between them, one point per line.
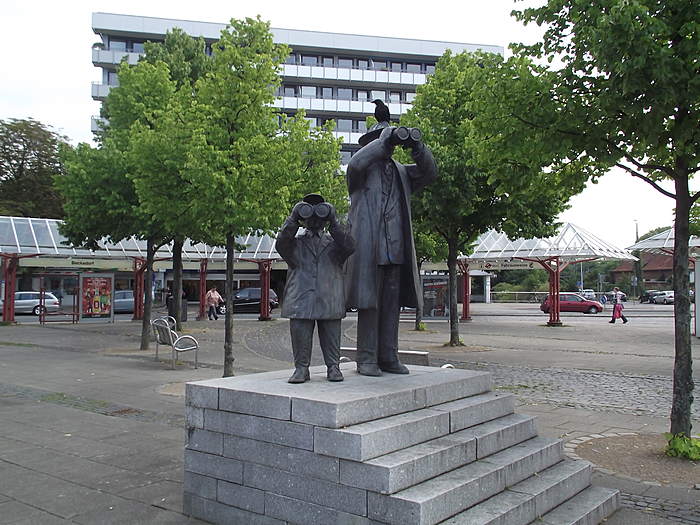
pixel 171 308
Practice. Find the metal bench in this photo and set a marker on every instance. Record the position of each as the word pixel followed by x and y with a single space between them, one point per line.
pixel 165 335
pixel 167 321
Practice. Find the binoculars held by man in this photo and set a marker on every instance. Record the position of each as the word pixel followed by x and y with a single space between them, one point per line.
pixel 322 210
pixel 408 137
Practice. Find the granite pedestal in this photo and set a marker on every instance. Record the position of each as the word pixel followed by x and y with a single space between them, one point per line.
pixel 435 446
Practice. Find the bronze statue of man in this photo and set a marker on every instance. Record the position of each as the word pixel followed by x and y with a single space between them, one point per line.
pixel 382 274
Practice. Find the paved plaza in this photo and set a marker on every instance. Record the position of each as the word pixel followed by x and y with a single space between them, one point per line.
pixel 92 428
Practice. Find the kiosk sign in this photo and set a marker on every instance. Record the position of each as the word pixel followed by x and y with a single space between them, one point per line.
pixel 96 292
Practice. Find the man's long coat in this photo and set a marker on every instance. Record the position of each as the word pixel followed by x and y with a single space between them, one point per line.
pixel 364 176
pixel 314 288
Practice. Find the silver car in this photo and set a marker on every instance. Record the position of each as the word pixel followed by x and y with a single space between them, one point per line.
pixel 28 303
pixel 124 301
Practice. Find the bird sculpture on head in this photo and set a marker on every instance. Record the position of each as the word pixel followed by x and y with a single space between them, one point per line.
pixel 381 112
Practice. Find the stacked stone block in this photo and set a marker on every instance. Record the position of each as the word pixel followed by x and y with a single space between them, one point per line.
pixel 437 446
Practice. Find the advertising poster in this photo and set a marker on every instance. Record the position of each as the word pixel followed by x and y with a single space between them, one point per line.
pixel 435 296
pixel 96 296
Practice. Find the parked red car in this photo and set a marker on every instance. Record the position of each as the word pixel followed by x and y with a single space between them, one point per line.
pixel 573 302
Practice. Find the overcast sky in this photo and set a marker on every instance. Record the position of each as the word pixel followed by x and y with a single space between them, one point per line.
pixel 46 70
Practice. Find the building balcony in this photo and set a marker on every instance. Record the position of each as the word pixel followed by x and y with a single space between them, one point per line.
pixel 361 76
pixel 100 91
pixel 333 107
pixel 108 57
pixel 96 123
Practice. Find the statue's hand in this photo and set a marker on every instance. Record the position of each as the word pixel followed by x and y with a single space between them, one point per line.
pixel 295 215
pixel 332 216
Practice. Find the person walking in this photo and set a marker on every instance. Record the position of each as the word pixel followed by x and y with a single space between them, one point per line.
pixel 618 307
pixel 212 300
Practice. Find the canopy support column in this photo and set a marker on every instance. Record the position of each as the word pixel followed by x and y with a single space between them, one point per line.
pixel 265 268
pixel 467 290
pixel 202 289
pixel 10 263
pixel 139 272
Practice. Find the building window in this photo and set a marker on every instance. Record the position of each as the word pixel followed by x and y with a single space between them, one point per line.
pixel 344 94
pixel 290 91
pixel 309 60
pixel 137 47
pixel 362 94
pixel 343 124
pixel 362 63
pixel 360 126
pixel 413 68
pixel 410 97
pixel 328 61
pixel 327 92
pixel 381 95
pixel 397 66
pixel 112 78
pixel 311 121
pixel 117 45
pixel 395 96
pixel 430 69
pixel 291 59
pixel 308 91
pixel 345 63
pixel 379 65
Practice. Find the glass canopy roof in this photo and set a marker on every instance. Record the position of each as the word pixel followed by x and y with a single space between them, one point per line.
pixel 571 243
pixel 663 243
pixel 31 236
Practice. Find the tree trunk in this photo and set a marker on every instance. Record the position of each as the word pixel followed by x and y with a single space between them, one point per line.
pixel 228 322
pixel 683 364
pixel 148 295
pixel 454 314
pixel 177 281
pixel 419 306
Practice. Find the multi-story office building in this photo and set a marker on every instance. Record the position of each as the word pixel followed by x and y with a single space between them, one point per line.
pixel 329 75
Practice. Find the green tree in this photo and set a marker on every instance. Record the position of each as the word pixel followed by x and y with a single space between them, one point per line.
pixel 250 168
pixel 626 95
pixel 473 195
pixel 29 161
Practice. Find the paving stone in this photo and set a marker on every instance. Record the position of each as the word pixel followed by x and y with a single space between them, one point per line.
pixel 375 438
pixel 205 441
pixel 401 469
pixel 131 512
pixel 289 459
pixel 163 494
pixel 213 466
pixel 236 495
pixel 470 411
pixel 17 513
pixel 501 433
pixel 589 507
pixel 302 512
pixel 340 497
pixel 260 428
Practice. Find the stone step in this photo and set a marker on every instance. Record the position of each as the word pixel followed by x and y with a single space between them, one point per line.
pixel 448 494
pixel 406 467
pixel 589 507
pixel 318 402
pixel 525 501
pixel 382 436
pixel 473 410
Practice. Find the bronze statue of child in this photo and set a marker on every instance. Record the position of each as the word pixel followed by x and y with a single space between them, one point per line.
pixel 314 293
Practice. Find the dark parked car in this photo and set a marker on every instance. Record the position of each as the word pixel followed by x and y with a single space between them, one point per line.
pixel 648 296
pixel 573 302
pixel 248 300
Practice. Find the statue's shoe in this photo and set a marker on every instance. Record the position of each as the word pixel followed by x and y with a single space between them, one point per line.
pixel 368 369
pixel 334 373
pixel 394 368
pixel 300 375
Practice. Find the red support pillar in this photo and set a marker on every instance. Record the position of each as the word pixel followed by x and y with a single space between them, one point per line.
pixel 466 289
pixel 139 271
pixel 9 263
pixel 202 289
pixel 265 267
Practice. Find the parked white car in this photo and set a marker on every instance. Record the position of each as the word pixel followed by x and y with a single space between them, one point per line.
pixel 28 303
pixel 665 297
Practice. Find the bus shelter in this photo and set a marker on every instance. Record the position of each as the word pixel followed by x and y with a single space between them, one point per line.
pixel 570 245
pixel 37 239
pixel 663 243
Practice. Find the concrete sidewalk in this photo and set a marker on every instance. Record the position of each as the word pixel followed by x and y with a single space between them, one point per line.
pixel 92 429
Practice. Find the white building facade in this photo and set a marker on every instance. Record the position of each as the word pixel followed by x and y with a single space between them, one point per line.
pixel 329 75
